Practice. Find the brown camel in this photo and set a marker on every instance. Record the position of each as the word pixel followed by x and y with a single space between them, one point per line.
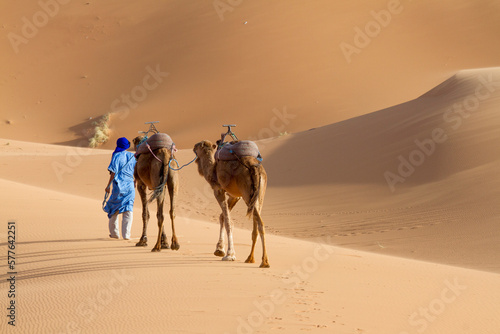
pixel 242 178
pixel 155 175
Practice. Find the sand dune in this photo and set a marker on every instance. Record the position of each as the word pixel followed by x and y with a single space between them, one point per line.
pixel 182 65
pixel 443 214
pixel 378 124
pixel 418 168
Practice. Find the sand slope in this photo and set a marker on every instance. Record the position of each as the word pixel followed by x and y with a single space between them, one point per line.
pixel 415 170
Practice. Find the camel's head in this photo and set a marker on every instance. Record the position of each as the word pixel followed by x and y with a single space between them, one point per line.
pixel 136 141
pixel 204 150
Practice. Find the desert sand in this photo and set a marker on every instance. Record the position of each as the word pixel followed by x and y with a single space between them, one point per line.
pixel 378 124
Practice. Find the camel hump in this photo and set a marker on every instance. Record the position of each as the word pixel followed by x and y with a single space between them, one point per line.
pixel 156 141
pixel 233 150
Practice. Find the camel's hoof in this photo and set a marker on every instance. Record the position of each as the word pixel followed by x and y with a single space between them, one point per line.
pixel 175 246
pixel 141 244
pixel 250 260
pixel 229 258
pixel 264 265
pixel 219 252
pixel 156 249
pixel 164 246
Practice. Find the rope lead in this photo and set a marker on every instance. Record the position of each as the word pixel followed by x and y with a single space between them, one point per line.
pixel 179 168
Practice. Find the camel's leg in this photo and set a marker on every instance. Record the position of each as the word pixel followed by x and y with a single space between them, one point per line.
pixel 219 249
pixel 255 230
pixel 164 242
pixel 141 188
pixel 173 187
pixel 262 232
pixel 220 195
pixel 159 215
pixel 255 233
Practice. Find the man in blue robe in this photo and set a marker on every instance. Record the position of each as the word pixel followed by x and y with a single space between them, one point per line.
pixel 121 171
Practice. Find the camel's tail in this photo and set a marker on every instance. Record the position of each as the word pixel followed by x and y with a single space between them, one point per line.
pixel 258 188
pixel 164 156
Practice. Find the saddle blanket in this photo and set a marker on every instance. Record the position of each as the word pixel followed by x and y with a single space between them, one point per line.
pixel 233 150
pixel 156 141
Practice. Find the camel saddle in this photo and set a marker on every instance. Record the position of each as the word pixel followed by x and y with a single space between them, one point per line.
pixel 234 150
pixel 156 141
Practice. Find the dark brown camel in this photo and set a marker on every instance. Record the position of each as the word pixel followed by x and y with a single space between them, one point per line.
pixel 155 175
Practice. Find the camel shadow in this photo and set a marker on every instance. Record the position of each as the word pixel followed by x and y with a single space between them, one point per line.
pixel 75 259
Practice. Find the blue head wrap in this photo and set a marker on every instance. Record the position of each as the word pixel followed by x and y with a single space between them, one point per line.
pixel 121 145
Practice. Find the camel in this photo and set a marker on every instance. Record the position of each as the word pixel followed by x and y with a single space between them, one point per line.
pixel 155 175
pixel 231 180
